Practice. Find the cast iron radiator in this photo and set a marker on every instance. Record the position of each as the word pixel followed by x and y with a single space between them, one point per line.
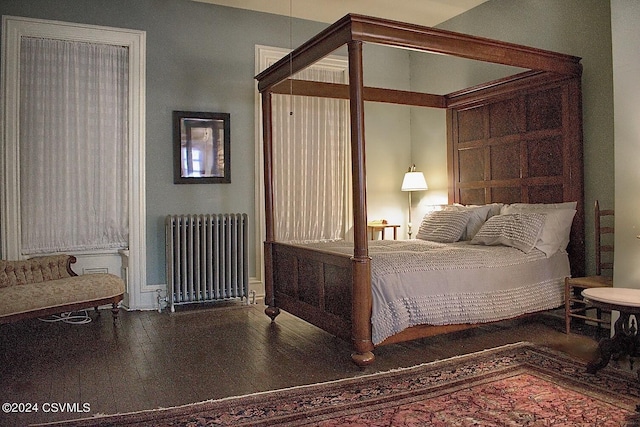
pixel 207 258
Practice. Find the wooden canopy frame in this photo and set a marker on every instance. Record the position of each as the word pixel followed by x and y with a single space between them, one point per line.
pixel 544 70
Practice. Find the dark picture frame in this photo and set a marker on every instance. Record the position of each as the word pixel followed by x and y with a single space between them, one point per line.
pixel 202 147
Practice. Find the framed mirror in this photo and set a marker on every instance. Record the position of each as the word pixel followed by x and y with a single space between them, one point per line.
pixel 201 147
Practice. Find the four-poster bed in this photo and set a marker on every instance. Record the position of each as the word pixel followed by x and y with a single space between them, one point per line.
pixel 516 139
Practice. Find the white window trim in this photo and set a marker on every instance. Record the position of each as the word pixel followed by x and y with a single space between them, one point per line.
pixel 263 56
pixel 13 28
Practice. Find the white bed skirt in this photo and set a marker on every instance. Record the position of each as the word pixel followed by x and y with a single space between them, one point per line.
pixel 418 282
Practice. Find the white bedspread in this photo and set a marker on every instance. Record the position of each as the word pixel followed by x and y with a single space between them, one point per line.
pixel 419 282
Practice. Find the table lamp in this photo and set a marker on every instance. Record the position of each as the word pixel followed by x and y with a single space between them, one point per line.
pixel 413 181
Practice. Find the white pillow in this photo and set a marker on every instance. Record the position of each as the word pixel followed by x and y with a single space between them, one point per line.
pixel 495 209
pixel 518 230
pixel 557 228
pixel 443 226
pixel 563 205
pixel 478 216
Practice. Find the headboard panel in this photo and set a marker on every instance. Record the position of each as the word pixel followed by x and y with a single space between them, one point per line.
pixel 523 145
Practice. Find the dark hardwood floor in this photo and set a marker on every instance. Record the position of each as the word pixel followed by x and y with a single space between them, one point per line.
pixel 150 359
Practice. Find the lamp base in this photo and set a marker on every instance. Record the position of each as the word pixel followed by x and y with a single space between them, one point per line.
pixel 409 224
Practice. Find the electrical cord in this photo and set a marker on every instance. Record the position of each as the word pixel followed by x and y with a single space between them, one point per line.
pixel 80 318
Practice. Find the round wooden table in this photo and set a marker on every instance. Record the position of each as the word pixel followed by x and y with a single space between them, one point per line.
pixel 625 337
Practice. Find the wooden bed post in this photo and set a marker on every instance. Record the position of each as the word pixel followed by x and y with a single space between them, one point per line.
pixel 361 298
pixel 267 139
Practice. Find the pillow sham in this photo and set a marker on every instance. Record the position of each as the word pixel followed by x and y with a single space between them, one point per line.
pixel 444 226
pixel 518 230
pixel 478 216
pixel 557 228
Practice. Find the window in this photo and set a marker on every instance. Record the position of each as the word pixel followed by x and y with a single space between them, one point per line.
pixel 73 146
pixel 265 56
pixel 312 180
pixel 14 30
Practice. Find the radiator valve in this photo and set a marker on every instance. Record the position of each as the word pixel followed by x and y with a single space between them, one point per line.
pixel 161 300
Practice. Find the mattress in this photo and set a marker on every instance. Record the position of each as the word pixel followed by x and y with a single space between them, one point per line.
pixel 417 282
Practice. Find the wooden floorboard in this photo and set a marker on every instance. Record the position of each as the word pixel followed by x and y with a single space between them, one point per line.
pixel 150 359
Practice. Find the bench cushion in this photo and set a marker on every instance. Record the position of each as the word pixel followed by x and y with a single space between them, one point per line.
pixel 86 288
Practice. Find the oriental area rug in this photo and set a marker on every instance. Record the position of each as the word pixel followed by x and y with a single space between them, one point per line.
pixel 515 385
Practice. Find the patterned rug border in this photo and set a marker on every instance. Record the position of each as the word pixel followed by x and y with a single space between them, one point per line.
pixel 611 385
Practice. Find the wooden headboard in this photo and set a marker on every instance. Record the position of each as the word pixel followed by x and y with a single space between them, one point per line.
pixel 523 144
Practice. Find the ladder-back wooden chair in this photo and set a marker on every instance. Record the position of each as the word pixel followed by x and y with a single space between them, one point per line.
pixel 574 305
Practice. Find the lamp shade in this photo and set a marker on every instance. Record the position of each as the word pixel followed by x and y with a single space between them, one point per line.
pixel 414 181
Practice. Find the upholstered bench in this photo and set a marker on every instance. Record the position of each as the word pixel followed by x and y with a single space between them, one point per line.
pixel 47 285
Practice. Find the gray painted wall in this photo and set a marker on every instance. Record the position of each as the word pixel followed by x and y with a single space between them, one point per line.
pixel 387 136
pixel 200 57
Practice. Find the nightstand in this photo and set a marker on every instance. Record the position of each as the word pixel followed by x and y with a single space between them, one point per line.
pixel 373 228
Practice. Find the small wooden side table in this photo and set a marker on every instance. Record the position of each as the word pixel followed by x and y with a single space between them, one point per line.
pixel 382 227
pixel 625 340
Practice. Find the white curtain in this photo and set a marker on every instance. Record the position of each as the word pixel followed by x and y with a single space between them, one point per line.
pixel 73 146
pixel 311 163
